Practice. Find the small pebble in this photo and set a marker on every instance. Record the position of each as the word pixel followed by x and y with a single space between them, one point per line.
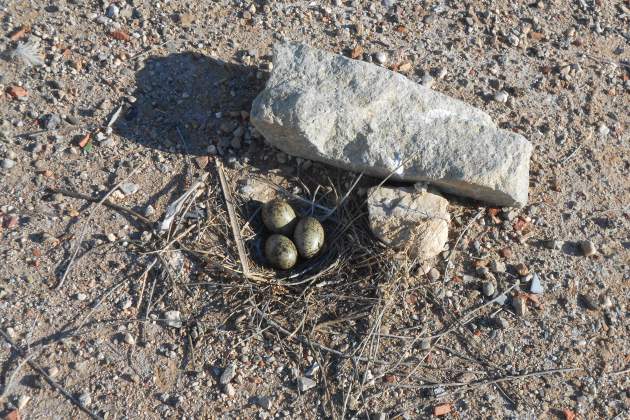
pixel 501 96
pixel 85 399
pixel 229 390
pixel 520 305
pixel 264 402
pixel 425 344
pixel 502 323
pixel 434 274
pixel 149 210
pixel 602 130
pixel 80 297
pixel 22 401
pixel 588 248
pixel 129 188
pixel 488 288
pixel 129 339
pixel 228 374
pixel 501 299
pixel 536 286
pixel 112 11
pixel 304 383
pixel 173 319
pixel 381 57
pixel 7 163
pixel 521 269
pixel 53 371
pixel 497 266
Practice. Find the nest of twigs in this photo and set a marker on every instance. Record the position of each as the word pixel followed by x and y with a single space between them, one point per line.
pixel 349 268
pixel 332 305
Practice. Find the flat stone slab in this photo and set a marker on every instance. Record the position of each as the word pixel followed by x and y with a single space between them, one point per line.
pixel 408 220
pixel 364 118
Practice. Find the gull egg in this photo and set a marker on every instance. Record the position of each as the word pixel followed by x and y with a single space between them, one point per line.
pixel 281 252
pixel 279 217
pixel 308 237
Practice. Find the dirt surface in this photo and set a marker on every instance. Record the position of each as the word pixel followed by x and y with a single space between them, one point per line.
pixel 183 75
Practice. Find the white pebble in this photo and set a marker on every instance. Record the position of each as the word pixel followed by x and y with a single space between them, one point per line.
pixel 22 401
pixel 7 163
pixel 588 248
pixel 129 339
pixel 380 57
pixel 501 96
pixel 488 288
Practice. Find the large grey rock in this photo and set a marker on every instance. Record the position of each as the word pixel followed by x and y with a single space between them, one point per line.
pixel 408 220
pixel 365 118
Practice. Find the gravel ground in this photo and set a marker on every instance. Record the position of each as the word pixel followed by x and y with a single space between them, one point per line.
pixel 178 78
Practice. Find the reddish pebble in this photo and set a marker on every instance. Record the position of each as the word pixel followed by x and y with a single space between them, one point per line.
pixel 442 409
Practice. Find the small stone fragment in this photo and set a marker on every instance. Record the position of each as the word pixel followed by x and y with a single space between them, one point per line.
pixel 497 266
pixel 434 274
pixel 425 344
pixel 173 319
pixel 53 371
pixel 112 11
pixel 488 288
pixel 264 402
pixel 129 188
pixel 521 269
pixel 519 303
pixel 501 299
pixel 229 390
pixel 7 164
pixel 129 339
pixel 149 210
pixel 442 409
pixel 536 286
pixel 228 374
pixel 85 399
pixel 22 401
pixel 588 248
pixel 380 57
pixel 17 92
pixel 304 383
pixel 407 220
pixel 501 96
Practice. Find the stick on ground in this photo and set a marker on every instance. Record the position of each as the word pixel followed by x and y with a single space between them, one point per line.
pixel 236 231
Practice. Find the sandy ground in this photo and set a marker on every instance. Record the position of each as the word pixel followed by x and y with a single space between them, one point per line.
pixel 183 75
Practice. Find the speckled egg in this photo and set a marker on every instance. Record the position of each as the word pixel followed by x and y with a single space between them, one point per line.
pixel 281 252
pixel 279 217
pixel 308 237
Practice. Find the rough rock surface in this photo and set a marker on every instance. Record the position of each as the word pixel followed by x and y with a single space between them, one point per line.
pixel 405 219
pixel 362 117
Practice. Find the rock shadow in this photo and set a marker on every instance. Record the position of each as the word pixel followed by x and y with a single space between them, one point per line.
pixel 185 102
